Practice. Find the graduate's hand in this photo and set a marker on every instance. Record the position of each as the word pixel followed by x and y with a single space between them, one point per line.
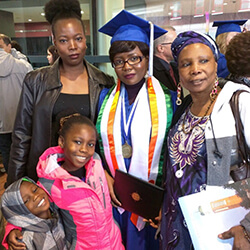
pixel 240 241
pixel 156 223
pixel 14 240
pixel 110 181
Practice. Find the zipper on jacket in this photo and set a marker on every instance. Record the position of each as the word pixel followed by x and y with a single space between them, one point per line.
pixel 88 182
pixel 52 234
pixel 103 194
pixel 94 186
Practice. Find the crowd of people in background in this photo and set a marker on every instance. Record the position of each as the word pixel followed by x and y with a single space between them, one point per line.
pixel 66 128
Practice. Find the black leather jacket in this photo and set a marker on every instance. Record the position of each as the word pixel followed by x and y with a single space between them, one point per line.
pixel 33 125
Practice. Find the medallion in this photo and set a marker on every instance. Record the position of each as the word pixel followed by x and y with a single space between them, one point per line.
pixel 179 173
pixel 126 150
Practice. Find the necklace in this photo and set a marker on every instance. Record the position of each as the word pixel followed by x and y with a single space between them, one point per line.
pixel 186 131
pixel 179 173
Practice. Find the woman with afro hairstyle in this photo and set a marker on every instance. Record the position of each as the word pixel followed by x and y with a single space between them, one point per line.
pixel 70 85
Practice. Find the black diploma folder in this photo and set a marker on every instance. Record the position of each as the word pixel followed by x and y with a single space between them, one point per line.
pixel 138 196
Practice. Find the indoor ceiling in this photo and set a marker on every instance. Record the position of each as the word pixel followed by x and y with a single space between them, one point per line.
pixel 27 13
pixel 31 10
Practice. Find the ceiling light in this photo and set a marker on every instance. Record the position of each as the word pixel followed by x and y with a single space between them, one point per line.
pixel 217 13
pixel 244 10
pixel 175 18
pixel 200 15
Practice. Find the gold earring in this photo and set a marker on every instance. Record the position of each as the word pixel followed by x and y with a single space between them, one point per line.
pixel 178 100
pixel 214 91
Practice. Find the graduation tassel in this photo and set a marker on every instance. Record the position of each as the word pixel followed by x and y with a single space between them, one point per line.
pixel 151 49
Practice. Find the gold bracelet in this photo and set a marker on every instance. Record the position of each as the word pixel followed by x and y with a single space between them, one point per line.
pixel 246 234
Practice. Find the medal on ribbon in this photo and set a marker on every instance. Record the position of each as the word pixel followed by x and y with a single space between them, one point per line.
pixel 126 150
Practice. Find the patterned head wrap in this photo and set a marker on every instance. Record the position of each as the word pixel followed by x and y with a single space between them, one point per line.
pixel 190 37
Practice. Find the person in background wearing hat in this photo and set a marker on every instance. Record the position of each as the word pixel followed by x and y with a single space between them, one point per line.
pixel 133 120
pixel 201 143
pixel 225 32
pixel 238 58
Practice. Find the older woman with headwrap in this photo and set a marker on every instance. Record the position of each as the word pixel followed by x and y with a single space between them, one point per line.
pixel 201 143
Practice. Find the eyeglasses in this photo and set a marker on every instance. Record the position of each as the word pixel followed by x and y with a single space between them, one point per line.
pixel 131 61
pixel 165 43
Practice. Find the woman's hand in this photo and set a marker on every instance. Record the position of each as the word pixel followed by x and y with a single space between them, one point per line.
pixel 156 223
pixel 14 238
pixel 240 241
pixel 110 181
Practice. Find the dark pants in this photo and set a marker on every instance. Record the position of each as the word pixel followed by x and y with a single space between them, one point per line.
pixel 5 144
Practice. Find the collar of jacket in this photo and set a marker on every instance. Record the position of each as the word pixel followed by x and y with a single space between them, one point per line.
pixel 160 64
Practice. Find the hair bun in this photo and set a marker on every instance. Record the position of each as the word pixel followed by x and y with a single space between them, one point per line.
pixel 56 7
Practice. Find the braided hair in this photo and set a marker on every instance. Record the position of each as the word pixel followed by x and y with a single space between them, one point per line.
pixel 68 121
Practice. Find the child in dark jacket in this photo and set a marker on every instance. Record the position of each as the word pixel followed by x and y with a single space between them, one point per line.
pixel 26 205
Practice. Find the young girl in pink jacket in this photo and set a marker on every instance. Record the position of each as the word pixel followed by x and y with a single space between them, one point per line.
pixel 73 175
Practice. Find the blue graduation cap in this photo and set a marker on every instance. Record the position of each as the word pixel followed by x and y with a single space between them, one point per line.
pixel 128 27
pixel 228 26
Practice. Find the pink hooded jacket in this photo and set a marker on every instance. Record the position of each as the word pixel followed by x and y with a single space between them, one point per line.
pixel 85 207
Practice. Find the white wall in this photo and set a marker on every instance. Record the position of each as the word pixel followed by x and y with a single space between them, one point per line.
pixel 106 10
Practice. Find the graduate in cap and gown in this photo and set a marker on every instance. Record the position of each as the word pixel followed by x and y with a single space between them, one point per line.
pixel 225 32
pixel 134 118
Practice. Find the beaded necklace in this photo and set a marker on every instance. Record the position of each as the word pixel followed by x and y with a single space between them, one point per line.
pixel 198 121
pixel 179 172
